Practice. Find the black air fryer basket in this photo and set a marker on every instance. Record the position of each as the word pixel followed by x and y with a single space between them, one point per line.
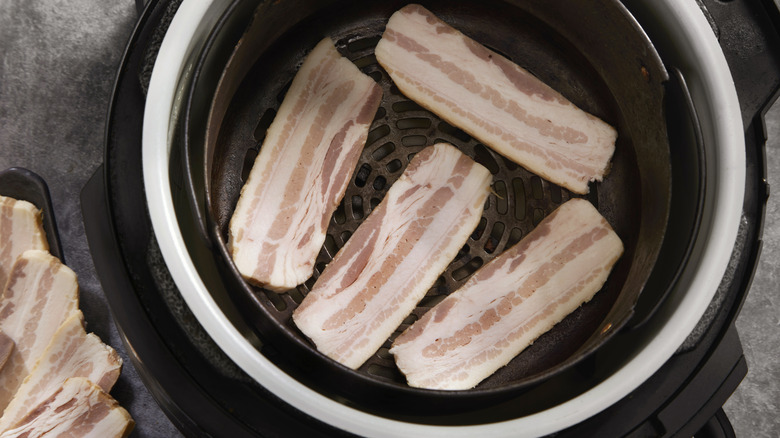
pixel 596 55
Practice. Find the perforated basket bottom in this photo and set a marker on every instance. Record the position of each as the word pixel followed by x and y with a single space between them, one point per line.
pixel 518 202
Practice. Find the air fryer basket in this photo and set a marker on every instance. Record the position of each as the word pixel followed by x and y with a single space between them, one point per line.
pixel 596 55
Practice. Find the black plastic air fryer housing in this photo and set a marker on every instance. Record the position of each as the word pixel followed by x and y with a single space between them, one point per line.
pixel 204 394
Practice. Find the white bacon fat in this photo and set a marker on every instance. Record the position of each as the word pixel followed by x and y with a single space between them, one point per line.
pixel 395 256
pixel 302 170
pixel 40 295
pixel 20 230
pixel 71 353
pixel 494 100
pixel 77 409
pixel 510 301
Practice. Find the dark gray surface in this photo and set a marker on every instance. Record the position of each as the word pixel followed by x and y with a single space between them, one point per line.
pixel 58 61
pixel 754 407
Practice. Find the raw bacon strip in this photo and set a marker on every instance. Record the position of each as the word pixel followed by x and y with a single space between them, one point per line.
pixel 302 171
pixel 494 100
pixel 41 294
pixel 510 301
pixel 20 230
pixel 71 353
pixel 78 409
pixel 395 256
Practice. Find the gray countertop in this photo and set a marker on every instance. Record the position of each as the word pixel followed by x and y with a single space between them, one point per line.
pixel 58 62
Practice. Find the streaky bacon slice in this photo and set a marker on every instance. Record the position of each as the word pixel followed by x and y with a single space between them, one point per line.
pixel 395 256
pixel 40 295
pixel 79 408
pixel 71 353
pixel 510 301
pixel 494 100
pixel 20 229
pixel 302 170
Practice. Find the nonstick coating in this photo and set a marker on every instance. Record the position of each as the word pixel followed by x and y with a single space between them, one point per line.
pixel 594 54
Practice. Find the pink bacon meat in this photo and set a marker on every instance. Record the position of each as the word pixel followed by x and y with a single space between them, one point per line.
pixel 79 408
pixel 21 229
pixel 510 301
pixel 395 256
pixel 494 100
pixel 41 293
pixel 71 352
pixel 302 170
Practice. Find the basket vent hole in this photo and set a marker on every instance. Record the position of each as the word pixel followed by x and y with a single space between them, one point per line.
pixel 362 175
pixel 276 300
pixel 510 165
pixel 345 235
pixel 485 158
pixel 514 236
pixel 477 234
pixel 383 151
pixel 249 161
pixel 464 251
pixel 381 371
pixel 296 295
pixel 339 216
pixel 501 197
pixel 467 269
pixel 536 187
pixel 538 216
pixel 556 194
pixel 330 245
pixel 518 188
pixel 357 207
pixel 365 61
pixel 453 131
pixel 373 203
pixel 430 301
pixel 414 140
pixel 495 237
pixel 381 112
pixel 384 354
pixel 379 183
pixel 377 77
pixel 377 133
pixel 363 44
pixel 406 105
pixel 409 320
pixel 414 122
pixel 263 124
pixel 394 166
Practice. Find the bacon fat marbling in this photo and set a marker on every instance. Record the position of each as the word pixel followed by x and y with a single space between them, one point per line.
pixel 510 301
pixel 395 256
pixel 494 100
pixel 302 171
